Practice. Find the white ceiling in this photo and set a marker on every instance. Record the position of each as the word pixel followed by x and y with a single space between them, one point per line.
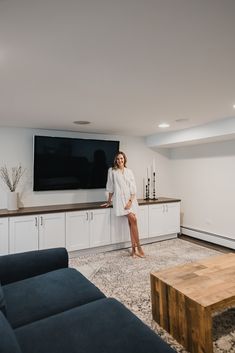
pixel 124 65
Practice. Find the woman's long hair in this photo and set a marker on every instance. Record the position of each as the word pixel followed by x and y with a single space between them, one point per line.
pixel 115 165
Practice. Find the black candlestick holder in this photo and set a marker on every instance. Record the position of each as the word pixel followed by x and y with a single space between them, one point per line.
pixel 154 187
pixel 147 190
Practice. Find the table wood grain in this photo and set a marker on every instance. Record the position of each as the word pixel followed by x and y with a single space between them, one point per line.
pixel 184 298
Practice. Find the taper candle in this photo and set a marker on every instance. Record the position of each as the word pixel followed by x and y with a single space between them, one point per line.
pixel 154 167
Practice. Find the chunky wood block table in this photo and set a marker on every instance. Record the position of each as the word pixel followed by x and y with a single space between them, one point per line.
pixel 184 298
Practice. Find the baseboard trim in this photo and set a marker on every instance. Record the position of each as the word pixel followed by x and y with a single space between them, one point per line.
pixel 119 246
pixel 209 237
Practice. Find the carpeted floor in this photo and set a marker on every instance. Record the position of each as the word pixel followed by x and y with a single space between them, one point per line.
pixel 120 276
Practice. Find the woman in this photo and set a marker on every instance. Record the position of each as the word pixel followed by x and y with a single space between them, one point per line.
pixel 122 190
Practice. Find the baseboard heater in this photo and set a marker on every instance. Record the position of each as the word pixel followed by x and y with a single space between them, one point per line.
pixel 210 237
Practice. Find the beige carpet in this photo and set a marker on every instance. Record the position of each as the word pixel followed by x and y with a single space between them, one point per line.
pixel 127 279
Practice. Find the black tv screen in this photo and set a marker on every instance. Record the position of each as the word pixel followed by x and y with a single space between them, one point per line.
pixel 62 163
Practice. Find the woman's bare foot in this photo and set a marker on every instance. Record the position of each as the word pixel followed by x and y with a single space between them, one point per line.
pixel 133 252
pixel 139 251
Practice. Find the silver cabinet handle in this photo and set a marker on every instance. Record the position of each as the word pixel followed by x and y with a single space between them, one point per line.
pixel 164 209
pixel 36 221
pixel 41 220
pixel 91 216
pixel 87 216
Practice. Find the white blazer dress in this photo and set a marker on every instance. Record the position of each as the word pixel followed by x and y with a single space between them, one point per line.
pixel 122 185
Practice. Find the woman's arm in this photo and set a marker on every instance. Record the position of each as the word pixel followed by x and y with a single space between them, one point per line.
pixel 109 188
pixel 132 186
pixel 109 201
pixel 129 202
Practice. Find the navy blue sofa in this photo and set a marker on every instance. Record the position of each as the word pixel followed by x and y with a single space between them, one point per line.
pixel 47 307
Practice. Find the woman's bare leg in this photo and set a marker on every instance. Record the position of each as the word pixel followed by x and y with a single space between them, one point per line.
pixel 136 248
pixel 133 243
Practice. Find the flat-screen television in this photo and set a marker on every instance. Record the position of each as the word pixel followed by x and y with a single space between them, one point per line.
pixel 62 163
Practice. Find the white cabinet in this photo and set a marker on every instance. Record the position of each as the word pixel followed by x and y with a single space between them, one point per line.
pixel 172 212
pixel 51 230
pixel 23 234
pixel 120 232
pixel 153 220
pixel 100 227
pixel 36 232
pixel 77 230
pixel 143 222
pixel 4 236
pixel 85 229
pixel 164 219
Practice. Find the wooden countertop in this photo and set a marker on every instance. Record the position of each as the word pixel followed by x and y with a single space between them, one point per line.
pixel 73 207
pixel 158 200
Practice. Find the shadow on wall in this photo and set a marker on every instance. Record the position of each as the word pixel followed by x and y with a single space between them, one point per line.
pixel 165 152
pixel 213 149
pixel 181 218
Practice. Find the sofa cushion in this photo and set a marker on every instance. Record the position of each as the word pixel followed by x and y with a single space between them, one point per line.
pixel 102 326
pixel 48 294
pixel 2 301
pixel 8 342
pixel 16 267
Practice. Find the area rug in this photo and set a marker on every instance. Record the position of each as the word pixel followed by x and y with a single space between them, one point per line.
pixel 120 276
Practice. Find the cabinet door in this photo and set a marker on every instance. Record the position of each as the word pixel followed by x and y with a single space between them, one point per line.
pixel 172 212
pixel 4 236
pixel 23 231
pixel 99 227
pixel 77 230
pixel 120 231
pixel 164 219
pixel 156 220
pixel 51 230
pixel 143 222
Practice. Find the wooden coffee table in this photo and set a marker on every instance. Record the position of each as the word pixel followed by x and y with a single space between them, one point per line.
pixel 184 298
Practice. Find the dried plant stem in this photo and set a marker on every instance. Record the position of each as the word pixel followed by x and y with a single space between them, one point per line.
pixel 11 180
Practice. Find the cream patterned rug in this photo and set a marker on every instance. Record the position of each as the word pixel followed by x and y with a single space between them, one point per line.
pixel 120 276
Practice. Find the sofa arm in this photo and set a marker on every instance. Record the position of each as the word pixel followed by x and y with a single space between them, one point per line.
pixel 19 266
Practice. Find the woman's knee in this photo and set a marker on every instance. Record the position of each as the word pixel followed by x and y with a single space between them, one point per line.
pixel 132 218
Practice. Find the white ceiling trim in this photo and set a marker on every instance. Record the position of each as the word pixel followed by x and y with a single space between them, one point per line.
pixel 211 132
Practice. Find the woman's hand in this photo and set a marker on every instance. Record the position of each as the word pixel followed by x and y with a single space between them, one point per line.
pixel 106 204
pixel 128 205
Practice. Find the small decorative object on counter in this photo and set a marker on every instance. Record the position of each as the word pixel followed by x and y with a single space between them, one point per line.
pixel 11 180
pixel 147 191
pixel 154 186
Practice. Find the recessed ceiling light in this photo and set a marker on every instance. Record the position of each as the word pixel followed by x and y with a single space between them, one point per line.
pixel 233 106
pixel 163 125
pixel 82 122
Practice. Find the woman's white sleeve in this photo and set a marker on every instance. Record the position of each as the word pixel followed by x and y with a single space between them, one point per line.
pixel 109 185
pixel 132 184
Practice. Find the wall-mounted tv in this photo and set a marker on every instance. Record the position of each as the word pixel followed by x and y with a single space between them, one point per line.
pixel 62 163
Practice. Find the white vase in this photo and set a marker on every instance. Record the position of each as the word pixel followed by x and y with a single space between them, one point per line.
pixel 12 201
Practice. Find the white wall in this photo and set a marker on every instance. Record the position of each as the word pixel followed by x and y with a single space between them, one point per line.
pixel 16 146
pixel 204 178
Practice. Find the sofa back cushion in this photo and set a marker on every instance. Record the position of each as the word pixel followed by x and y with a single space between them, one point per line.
pixel 16 267
pixel 103 325
pixel 2 301
pixel 48 294
pixel 8 341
